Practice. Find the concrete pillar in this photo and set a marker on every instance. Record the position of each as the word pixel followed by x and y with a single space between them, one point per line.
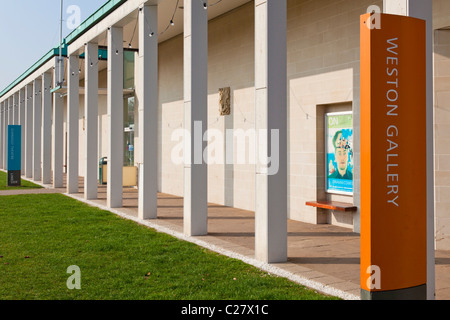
pixel 29 131
pixel 57 137
pixel 11 107
pixel 5 137
pixel 46 137
pixel 91 114
pixel 73 89
pixel 3 141
pixel 1 134
pixel 115 117
pixel 195 104
pixel 12 103
pixel 147 77
pixel 22 99
pixel 16 108
pixel 7 112
pixel 11 110
pixel 37 121
pixel 270 125
pixel 423 9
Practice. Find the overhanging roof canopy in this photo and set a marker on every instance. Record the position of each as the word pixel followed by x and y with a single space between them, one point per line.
pixel 167 9
pixel 98 15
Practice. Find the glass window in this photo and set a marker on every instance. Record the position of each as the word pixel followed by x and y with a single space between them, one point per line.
pixel 128 69
pixel 128 131
pixel 128 107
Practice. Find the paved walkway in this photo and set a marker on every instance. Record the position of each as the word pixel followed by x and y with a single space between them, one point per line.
pixel 323 257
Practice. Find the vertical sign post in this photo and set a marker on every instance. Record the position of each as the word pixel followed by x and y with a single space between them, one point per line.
pixel 14 155
pixel 393 158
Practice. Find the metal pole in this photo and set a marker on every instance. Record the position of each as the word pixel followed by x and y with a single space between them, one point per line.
pixel 60 80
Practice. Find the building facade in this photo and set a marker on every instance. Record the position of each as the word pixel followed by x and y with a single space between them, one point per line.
pixel 148 95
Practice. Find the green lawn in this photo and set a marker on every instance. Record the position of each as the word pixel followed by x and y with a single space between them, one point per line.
pixel 25 184
pixel 42 235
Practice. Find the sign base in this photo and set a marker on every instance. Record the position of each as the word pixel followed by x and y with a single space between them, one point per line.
pixel 14 179
pixel 414 293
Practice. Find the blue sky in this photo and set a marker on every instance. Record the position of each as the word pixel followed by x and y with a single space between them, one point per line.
pixel 30 28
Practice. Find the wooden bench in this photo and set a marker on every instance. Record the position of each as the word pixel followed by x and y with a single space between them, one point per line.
pixel 332 205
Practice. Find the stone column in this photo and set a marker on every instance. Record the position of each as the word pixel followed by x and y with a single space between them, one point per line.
pixel 91 114
pixel 196 120
pixel 11 109
pixel 46 137
pixel 37 121
pixel 16 108
pixel 29 131
pixel 2 125
pixel 73 96
pixel 147 78
pixel 4 133
pixel 115 117
pixel 22 99
pixel 57 136
pixel 270 125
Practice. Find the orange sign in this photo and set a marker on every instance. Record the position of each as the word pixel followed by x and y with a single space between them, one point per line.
pixel 393 153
